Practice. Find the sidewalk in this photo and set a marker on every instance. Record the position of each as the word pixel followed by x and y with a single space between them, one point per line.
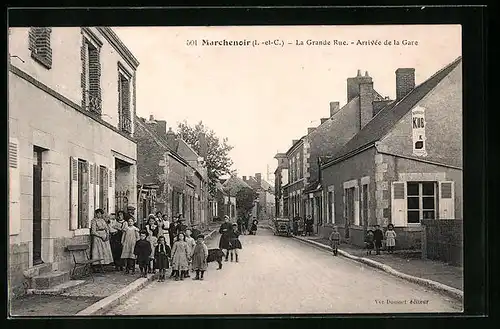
pixel 406 264
pixel 105 289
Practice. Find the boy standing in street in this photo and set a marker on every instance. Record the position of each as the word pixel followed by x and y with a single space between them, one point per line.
pixel 378 236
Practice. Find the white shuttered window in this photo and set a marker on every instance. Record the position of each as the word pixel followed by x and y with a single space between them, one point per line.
pixel 14 188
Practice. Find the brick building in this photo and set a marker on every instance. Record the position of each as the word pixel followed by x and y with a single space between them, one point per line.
pixel 404 165
pixel 70 89
pixel 169 163
pixel 227 202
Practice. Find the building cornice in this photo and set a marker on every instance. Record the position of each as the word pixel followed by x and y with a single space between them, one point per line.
pixel 119 46
pixel 40 85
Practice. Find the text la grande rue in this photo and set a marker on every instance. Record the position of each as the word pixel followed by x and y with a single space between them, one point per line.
pixel 359 42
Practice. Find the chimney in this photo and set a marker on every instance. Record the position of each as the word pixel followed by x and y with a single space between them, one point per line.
pixel 294 141
pixel 258 178
pixel 151 117
pixel 244 178
pixel 366 98
pixel 161 128
pixel 354 83
pixel 171 138
pixel 323 120
pixel 310 130
pixel 334 108
pixel 378 105
pixel 405 82
pixel 203 145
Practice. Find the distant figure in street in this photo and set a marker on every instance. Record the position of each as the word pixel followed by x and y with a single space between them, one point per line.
pixel 130 214
pixel 246 219
pixel 234 242
pixel 153 231
pixel 180 257
pixel 225 230
pixel 369 242
pixel 116 227
pixel 390 238
pixel 142 252
pixel 239 223
pixel 200 254
pixel 253 228
pixel 162 254
pixel 181 227
pixel 378 236
pixel 334 240
pixel 195 232
pixel 99 230
pixel 295 226
pixel 129 238
pixel 309 225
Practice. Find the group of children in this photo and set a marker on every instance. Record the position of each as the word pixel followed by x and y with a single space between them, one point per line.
pixel 373 239
pixel 150 249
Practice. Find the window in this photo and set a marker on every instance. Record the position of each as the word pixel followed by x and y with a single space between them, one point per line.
pixel 103 189
pixel 91 76
pixel 331 205
pixel 14 188
pixel 285 207
pixel 39 45
pixel 352 205
pixel 124 115
pixel 83 194
pixel 421 201
pixel 364 204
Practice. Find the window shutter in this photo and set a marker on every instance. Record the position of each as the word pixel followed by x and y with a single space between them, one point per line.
pixel 85 223
pixel 111 192
pixel 97 192
pixel 92 195
pixel 105 187
pixel 14 188
pixel 398 205
pixel 332 220
pixel 356 205
pixel 73 168
pixel 447 200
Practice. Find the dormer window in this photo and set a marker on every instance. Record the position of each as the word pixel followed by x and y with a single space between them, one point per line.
pixel 39 45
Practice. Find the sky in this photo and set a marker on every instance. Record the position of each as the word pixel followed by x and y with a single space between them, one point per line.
pixel 263 97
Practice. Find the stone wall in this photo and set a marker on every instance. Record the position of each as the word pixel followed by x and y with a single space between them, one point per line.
pixel 443 240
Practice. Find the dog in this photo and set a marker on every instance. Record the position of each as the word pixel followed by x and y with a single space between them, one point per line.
pixel 215 255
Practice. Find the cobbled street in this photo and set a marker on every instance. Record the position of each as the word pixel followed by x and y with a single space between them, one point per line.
pixel 282 275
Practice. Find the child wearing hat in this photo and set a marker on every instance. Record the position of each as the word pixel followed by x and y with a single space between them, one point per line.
pixel 199 257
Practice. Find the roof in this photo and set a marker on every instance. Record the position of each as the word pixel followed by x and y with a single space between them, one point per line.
pixel 263 184
pixel 115 41
pixel 234 184
pixel 388 116
pixel 294 144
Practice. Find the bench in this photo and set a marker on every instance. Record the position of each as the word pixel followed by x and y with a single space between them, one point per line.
pixel 85 263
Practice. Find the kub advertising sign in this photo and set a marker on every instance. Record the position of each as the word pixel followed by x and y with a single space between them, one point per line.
pixel 418 129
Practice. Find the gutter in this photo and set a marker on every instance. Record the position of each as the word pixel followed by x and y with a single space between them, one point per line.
pixel 419 160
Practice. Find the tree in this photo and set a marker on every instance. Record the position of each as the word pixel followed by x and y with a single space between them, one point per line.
pixel 217 159
pixel 245 198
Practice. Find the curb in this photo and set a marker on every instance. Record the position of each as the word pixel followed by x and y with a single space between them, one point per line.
pixel 439 287
pixel 107 303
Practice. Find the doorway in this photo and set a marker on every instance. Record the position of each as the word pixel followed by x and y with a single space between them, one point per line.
pixel 37 205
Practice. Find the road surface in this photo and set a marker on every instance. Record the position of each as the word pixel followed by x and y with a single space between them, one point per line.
pixel 279 275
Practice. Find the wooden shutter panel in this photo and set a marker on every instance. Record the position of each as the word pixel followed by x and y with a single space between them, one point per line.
pixel 14 188
pixel 398 205
pixel 73 210
pixel 111 192
pixel 92 196
pixel 356 205
pixel 447 200
pixel 85 223
pixel 97 204
pixel 105 186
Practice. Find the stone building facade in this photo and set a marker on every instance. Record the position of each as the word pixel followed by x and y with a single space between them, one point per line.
pixel 405 165
pixel 70 89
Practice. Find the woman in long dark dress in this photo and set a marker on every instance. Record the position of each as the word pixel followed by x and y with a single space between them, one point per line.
pixel 225 230
pixel 116 227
